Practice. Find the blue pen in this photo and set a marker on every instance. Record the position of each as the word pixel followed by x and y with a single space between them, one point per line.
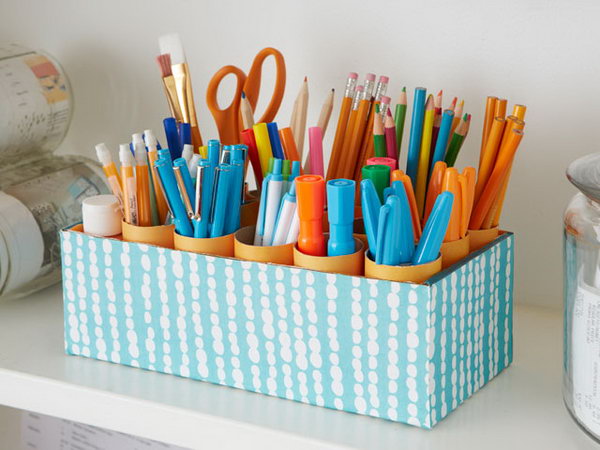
pixel 223 180
pixel 262 208
pixel 225 157
pixel 185 134
pixel 169 187
pixel 170 125
pixel 382 225
pixel 442 141
pixel 232 221
pixel 239 153
pixel 435 229
pixel 213 154
pixel 165 154
pixel 407 238
pixel 340 201
pixel 276 147
pixel 203 199
pixel 187 178
pixel 370 207
pixel 416 132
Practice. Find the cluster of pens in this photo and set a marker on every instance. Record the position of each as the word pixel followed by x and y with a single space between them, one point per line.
pixel 207 203
pixel 277 222
pixel 500 140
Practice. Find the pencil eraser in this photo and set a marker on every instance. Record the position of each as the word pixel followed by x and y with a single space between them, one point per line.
pixel 101 215
pixel 385 99
pixel 384 79
pixel 360 88
pixel 370 77
pixel 353 75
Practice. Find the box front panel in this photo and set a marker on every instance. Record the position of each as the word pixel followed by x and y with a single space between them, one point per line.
pixel 472 324
pixel 342 342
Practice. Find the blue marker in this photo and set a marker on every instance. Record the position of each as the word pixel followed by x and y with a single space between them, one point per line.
pixel 223 180
pixel 370 207
pixel 407 238
pixel 435 229
pixel 187 179
pixel 340 201
pixel 387 192
pixel 442 141
pixel 169 187
pixel 382 226
pixel 276 147
pixel 185 134
pixel 170 125
pixel 416 132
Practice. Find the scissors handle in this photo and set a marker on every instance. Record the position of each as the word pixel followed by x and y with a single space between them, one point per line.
pixel 227 120
pixel 252 84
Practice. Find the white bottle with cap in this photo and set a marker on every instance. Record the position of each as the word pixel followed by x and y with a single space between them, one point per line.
pixel 101 215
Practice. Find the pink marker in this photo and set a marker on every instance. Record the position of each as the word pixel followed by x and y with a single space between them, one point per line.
pixel 315 142
pixel 382 161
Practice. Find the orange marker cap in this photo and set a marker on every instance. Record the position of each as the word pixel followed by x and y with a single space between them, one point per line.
pixel 310 194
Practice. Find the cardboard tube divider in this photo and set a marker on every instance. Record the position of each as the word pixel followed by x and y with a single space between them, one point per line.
pixel 244 248
pixel 454 251
pixel 219 246
pixel 346 264
pixel 407 273
pixel 159 235
pixel 480 238
pixel 249 213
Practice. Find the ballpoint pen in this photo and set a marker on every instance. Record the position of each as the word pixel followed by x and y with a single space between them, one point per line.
pixel 169 187
pixel 187 152
pixel 222 188
pixel 202 205
pixel 273 201
pixel 232 220
pixel 260 222
pixel 187 202
pixel 340 201
pixel 187 178
pixel 225 157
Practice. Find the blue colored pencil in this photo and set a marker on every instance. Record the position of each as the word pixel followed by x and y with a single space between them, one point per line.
pixel 416 132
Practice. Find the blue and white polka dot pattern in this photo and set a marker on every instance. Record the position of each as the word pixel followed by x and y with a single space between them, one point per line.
pixel 403 352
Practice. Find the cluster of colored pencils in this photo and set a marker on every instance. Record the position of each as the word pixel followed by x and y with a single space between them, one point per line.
pixel 500 140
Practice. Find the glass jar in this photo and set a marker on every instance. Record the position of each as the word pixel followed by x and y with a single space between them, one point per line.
pixel 581 365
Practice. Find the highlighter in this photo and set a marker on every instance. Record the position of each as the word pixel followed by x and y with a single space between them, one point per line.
pixel 274 140
pixel 435 229
pixel 170 125
pixel 379 175
pixel 263 144
pixel 310 194
pixel 340 202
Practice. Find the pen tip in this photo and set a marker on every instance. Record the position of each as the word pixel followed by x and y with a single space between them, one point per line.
pixel 243 94
pixel 332 89
pixel 404 89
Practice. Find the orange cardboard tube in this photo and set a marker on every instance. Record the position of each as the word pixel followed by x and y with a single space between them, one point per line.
pixel 345 264
pixel 219 246
pixel 480 238
pixel 161 235
pixel 454 251
pixel 249 213
pixel 409 273
pixel 245 249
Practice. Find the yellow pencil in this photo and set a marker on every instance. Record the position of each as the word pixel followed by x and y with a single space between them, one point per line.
pixel 423 168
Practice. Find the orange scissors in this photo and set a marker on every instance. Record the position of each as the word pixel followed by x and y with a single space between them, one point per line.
pixel 228 120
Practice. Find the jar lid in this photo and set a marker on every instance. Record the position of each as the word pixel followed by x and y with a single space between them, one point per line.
pixel 584 173
pixel 101 215
pixel 21 246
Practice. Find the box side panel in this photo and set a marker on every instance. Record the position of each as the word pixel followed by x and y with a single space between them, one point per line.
pixel 343 342
pixel 472 310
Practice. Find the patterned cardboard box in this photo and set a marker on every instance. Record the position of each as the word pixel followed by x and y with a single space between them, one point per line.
pixel 403 352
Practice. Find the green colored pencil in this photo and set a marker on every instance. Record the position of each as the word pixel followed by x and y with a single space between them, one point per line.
pixel 399 116
pixel 457 140
pixel 379 145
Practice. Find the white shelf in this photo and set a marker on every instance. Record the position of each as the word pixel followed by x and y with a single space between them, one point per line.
pixel 521 408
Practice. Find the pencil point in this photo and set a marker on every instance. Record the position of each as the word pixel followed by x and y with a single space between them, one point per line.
pixel 305 78
pixel 332 89
pixel 404 89
pixel 465 117
pixel 441 92
pixel 243 94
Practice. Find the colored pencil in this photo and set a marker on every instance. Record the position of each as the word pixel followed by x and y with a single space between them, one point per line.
pixel 416 131
pixel 500 108
pixel 326 110
pixel 458 111
pixel 519 111
pixel 488 156
pixel 379 142
pixel 390 137
pixel 488 119
pixel 399 118
pixel 423 167
pixel 456 142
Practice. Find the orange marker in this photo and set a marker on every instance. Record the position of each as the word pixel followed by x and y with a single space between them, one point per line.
pixel 412 201
pixel 310 194
pixel 451 184
pixel 289 144
pixel 435 187
pixel 494 184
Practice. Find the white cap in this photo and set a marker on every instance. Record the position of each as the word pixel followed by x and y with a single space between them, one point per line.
pixel 188 151
pixel 101 215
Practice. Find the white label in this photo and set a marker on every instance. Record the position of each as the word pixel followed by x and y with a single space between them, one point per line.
pixel 585 354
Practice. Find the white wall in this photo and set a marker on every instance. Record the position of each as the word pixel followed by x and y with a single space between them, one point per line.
pixel 539 53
